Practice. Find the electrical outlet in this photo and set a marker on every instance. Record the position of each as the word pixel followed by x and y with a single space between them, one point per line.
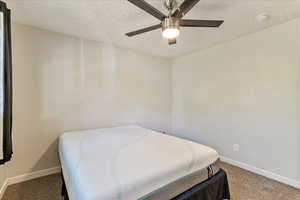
pixel 236 147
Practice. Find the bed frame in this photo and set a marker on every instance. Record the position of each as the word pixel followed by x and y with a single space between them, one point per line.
pixel 64 192
pixel 216 187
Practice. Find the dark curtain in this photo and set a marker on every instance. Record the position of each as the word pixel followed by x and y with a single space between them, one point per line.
pixel 7 84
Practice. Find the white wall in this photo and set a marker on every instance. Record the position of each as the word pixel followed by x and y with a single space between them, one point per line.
pixel 244 92
pixel 64 83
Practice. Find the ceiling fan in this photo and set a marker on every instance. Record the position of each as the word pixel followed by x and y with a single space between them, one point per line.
pixel 170 24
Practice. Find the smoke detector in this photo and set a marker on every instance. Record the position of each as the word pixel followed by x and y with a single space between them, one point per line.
pixel 263 17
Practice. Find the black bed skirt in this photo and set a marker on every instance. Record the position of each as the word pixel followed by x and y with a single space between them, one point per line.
pixel 214 188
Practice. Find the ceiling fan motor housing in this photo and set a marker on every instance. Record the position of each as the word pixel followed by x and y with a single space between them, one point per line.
pixel 170 23
pixel 170 5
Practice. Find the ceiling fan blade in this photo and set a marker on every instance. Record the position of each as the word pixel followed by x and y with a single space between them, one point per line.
pixel 172 41
pixel 148 8
pixel 200 23
pixel 184 8
pixel 143 30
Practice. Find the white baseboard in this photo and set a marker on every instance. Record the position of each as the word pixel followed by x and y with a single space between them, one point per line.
pixel 33 175
pixel 268 174
pixel 27 177
pixel 3 188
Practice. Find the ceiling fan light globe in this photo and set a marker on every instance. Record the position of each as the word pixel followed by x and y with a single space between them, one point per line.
pixel 170 33
pixel 170 28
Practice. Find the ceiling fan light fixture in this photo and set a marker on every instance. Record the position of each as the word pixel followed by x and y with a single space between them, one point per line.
pixel 170 33
pixel 170 28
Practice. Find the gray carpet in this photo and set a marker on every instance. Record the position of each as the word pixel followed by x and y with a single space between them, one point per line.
pixel 244 185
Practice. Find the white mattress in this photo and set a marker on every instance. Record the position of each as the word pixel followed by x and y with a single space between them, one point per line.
pixel 126 162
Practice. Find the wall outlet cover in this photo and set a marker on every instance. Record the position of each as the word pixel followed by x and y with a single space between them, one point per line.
pixel 236 147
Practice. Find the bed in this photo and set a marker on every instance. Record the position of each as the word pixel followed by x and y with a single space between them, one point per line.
pixel 132 162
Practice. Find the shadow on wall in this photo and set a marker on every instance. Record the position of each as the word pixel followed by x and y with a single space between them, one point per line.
pixel 48 158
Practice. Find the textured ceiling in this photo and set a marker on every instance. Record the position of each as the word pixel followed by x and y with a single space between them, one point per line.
pixel 109 20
